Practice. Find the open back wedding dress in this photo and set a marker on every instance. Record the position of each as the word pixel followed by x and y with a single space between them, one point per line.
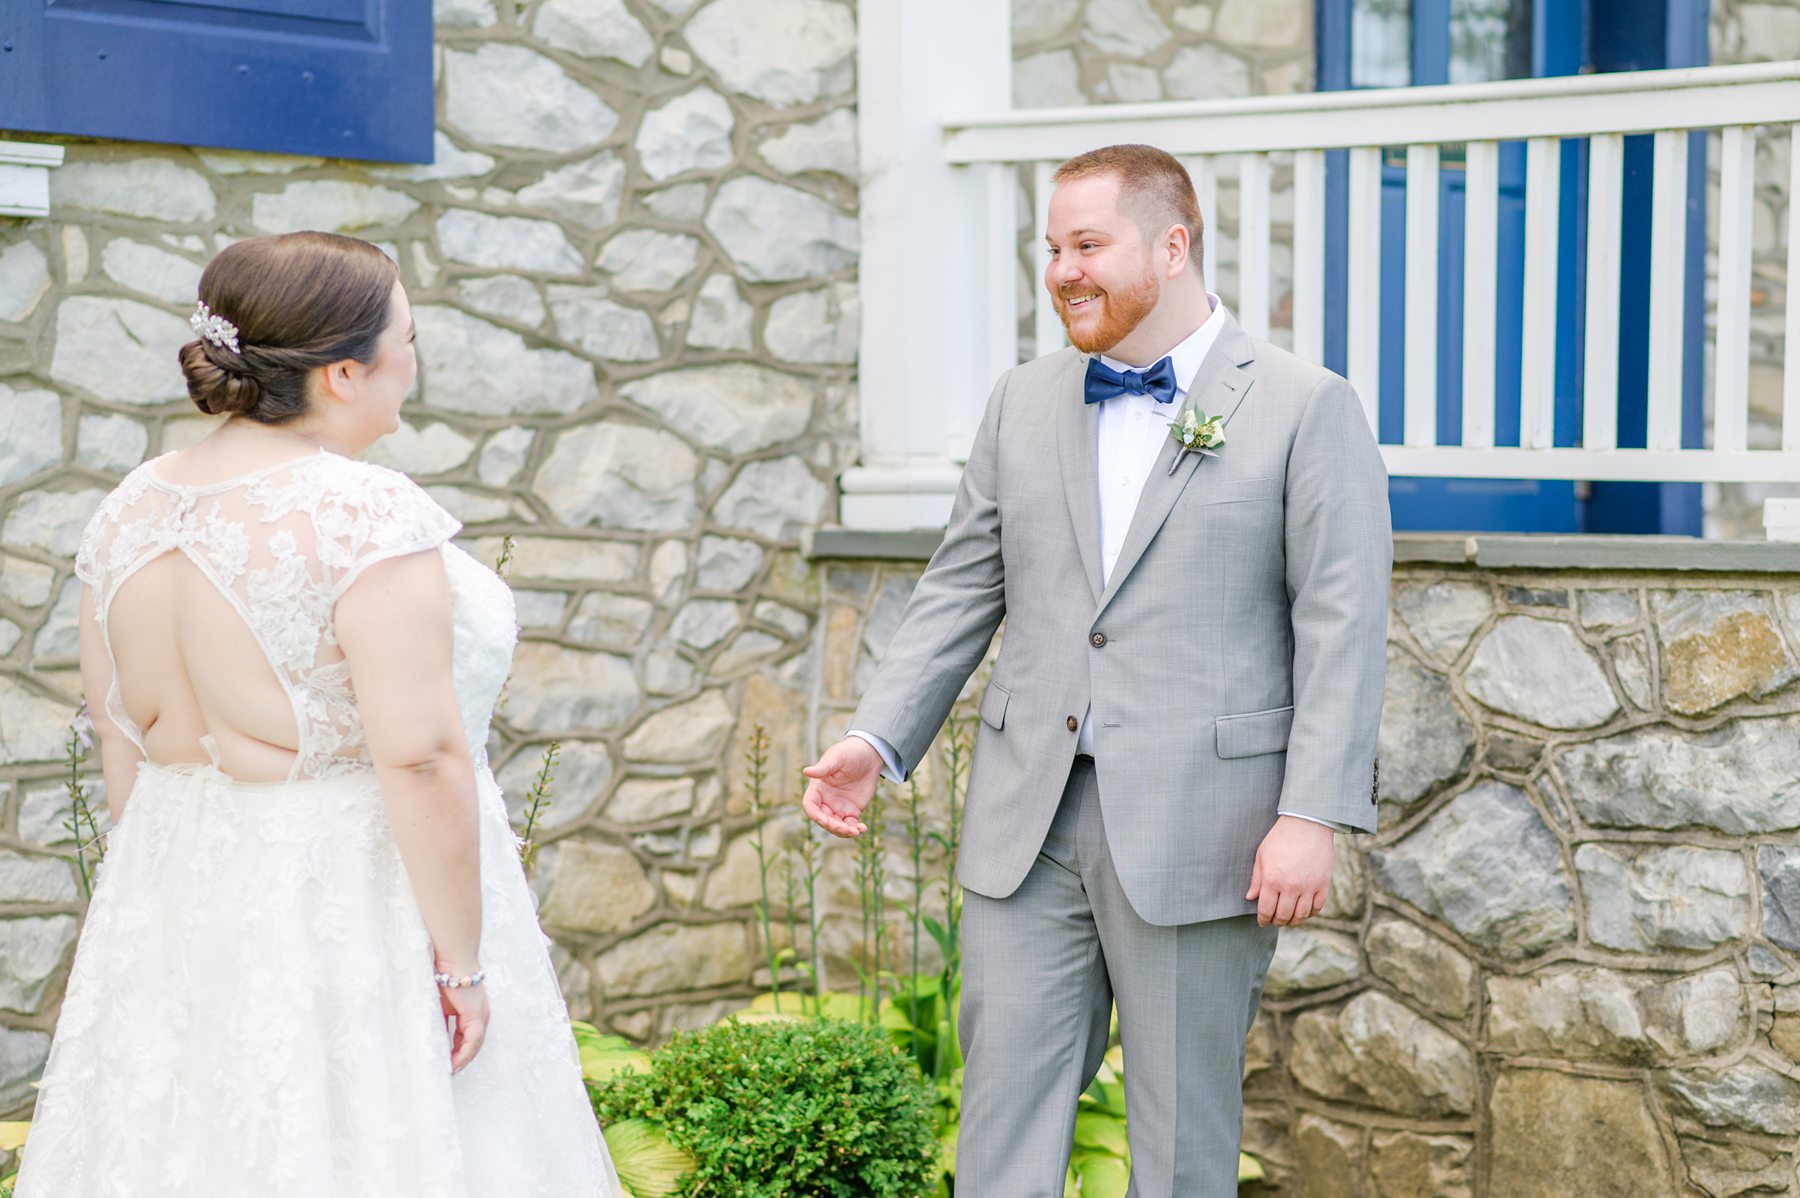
pixel 251 1012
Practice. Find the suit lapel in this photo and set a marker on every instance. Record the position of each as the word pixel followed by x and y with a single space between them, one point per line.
pixel 1078 446
pixel 1219 387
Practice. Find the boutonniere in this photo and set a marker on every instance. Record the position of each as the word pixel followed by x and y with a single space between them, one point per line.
pixel 1196 432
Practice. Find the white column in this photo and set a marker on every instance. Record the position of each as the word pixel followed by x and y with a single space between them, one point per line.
pixel 925 362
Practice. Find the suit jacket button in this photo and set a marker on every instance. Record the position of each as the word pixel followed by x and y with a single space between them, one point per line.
pixel 1099 639
pixel 1074 724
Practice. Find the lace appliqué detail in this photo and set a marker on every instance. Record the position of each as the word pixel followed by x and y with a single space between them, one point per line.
pixel 283 545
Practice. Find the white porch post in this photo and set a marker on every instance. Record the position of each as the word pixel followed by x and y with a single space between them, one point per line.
pixel 925 361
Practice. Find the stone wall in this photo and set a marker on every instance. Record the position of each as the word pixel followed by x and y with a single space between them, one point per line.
pixel 1569 964
pixel 632 266
pixel 1124 51
pixel 1566 964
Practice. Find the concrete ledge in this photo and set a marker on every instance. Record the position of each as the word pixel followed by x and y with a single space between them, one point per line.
pixel 1491 551
pixel 1548 551
pixel 853 544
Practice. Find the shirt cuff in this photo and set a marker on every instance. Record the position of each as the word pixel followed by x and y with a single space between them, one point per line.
pixel 889 758
pixel 1311 819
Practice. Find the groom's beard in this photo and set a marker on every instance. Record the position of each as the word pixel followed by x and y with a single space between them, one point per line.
pixel 1119 312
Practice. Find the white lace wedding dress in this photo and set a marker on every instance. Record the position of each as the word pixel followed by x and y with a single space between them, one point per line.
pixel 251 1012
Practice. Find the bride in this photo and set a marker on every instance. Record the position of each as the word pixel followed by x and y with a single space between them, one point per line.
pixel 312 964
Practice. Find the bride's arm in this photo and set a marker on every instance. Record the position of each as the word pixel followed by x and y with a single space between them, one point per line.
pixel 394 625
pixel 118 756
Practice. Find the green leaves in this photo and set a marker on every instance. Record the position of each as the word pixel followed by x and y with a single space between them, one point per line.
pixel 649 1165
pixel 604 1057
pixel 786 1108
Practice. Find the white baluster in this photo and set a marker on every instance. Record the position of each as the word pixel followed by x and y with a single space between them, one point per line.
pixel 1253 244
pixel 1480 263
pixel 1600 359
pixel 1003 267
pixel 1204 172
pixel 1731 373
pixel 1421 295
pixel 1668 287
pixel 1363 314
pixel 1790 377
pixel 1309 255
pixel 1047 326
pixel 1543 199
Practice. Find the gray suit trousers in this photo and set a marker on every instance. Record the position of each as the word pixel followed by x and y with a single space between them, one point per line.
pixel 1045 966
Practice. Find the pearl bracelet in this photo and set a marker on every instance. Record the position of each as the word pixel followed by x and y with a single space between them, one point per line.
pixel 450 981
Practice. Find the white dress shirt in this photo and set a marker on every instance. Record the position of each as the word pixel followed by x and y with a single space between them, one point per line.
pixel 1132 429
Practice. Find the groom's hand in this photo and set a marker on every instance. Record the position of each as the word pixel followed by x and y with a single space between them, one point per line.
pixel 841 785
pixel 1292 872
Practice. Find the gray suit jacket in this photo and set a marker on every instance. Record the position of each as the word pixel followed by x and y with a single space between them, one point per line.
pixel 1234 662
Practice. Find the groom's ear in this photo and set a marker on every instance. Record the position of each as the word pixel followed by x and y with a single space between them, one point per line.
pixel 1177 250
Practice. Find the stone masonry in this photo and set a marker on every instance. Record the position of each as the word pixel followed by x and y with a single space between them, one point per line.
pixel 633 268
pixel 1569 963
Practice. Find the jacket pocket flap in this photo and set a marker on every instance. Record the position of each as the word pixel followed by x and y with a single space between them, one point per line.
pixel 1238 490
pixel 993 706
pixel 1255 732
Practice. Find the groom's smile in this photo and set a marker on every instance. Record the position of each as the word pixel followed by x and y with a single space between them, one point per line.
pixel 1100 272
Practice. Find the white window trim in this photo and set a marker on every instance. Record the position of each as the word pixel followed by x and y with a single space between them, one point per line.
pixel 25 168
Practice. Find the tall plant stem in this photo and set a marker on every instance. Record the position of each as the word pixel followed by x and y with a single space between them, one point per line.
pixel 536 801
pixel 790 900
pixel 83 828
pixel 915 832
pixel 809 853
pixel 878 899
pixel 957 750
pixel 758 760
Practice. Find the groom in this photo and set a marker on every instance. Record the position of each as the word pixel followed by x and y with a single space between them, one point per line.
pixel 1185 703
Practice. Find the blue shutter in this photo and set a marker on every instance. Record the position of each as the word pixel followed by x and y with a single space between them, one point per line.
pixel 339 78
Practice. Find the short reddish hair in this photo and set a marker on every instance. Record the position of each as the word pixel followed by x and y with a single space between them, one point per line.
pixel 1154 185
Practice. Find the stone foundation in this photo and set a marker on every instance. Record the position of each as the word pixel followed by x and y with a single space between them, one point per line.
pixel 1569 964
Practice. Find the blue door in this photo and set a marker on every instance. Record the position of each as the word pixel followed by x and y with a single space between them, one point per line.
pixel 1393 43
pixel 338 78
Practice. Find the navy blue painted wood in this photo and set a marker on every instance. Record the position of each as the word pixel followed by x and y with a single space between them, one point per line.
pixel 340 78
pixel 1563 40
pixel 1629 36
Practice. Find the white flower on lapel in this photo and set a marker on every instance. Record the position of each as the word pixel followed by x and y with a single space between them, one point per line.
pixel 1196 432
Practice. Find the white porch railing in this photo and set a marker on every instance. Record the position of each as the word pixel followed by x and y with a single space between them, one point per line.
pixel 1254 142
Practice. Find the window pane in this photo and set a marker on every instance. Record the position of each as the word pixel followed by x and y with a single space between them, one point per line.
pixel 1381 43
pixel 1489 40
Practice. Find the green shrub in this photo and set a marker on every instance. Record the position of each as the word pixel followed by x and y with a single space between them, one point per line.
pixel 787 1109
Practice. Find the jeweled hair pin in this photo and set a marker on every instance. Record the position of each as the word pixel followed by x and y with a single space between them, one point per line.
pixel 214 328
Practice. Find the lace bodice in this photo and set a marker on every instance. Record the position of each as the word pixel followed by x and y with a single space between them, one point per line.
pixel 283 544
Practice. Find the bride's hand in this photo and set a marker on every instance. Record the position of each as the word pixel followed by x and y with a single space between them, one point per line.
pixel 466 1020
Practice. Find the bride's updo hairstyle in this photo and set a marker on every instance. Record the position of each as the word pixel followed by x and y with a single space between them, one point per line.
pixel 299 301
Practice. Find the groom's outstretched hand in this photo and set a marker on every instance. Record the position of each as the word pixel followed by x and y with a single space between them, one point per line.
pixel 1292 872
pixel 841 785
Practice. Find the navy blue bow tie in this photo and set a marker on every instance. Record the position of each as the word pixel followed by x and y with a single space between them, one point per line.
pixel 1104 383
